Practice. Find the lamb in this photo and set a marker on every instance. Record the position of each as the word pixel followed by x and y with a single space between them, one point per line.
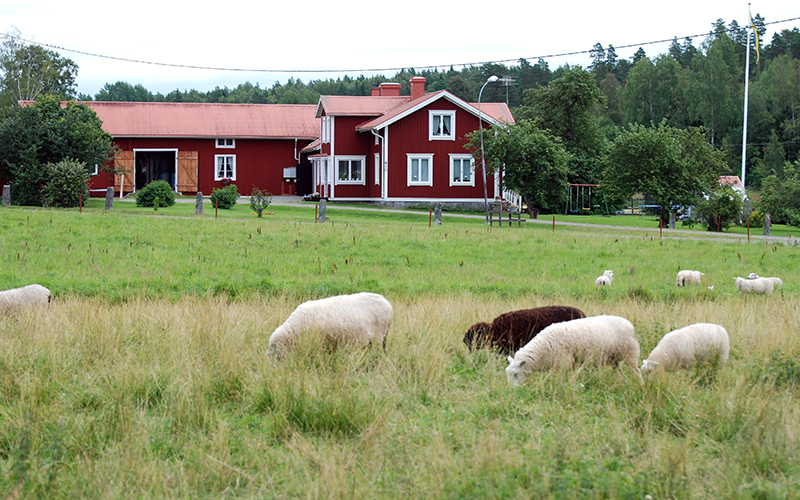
pixel 605 339
pixel 361 318
pixel 30 295
pixel 512 330
pixel 604 279
pixel 704 343
pixel 763 286
pixel 687 276
pixel 776 282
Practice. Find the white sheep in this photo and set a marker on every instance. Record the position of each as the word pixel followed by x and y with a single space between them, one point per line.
pixel 776 282
pixel 683 348
pixel 361 318
pixel 605 279
pixel 761 286
pixel 605 339
pixel 687 276
pixel 30 295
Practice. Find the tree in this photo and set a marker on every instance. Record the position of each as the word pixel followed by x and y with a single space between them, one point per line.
pixel 65 184
pixel 45 132
pixel 533 162
pixel 672 166
pixel 29 71
pixel 564 107
pixel 721 208
pixel 780 196
pixel 123 91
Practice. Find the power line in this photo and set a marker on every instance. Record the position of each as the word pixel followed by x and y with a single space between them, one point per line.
pixel 351 70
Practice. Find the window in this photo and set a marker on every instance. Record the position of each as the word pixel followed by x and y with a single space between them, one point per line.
pixel 226 142
pixel 350 170
pixel 225 167
pixel 377 168
pixel 96 170
pixel 326 129
pixel 442 125
pixel 461 167
pixel 420 170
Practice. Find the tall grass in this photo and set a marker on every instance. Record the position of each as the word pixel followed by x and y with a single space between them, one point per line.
pixel 146 377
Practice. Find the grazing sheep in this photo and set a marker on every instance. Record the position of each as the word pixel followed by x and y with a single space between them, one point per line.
pixel 605 339
pixel 605 279
pixel 31 295
pixel 704 343
pixel 687 276
pixel 361 318
pixel 763 286
pixel 512 330
pixel 776 282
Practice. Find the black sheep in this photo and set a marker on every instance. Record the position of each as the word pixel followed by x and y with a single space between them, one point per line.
pixel 512 330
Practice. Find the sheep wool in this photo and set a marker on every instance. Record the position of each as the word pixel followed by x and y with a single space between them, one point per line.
pixel 605 279
pixel 361 318
pixel 700 343
pixel 30 295
pixel 603 339
pixel 687 276
pixel 512 330
pixel 761 286
pixel 776 282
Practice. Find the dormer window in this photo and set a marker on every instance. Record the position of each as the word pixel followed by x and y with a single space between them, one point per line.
pixel 442 125
pixel 226 142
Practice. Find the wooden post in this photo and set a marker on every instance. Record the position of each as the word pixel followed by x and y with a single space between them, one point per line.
pixel 554 223
pixel 748 229
pixel 80 203
pixel 660 226
pixel 430 217
pixel 316 210
pixel 719 223
pixel 216 207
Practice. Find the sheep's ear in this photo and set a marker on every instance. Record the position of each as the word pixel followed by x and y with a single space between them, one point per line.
pixel 522 363
pixel 510 359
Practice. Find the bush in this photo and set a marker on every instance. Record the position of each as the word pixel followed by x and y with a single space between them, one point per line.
pixel 721 209
pixel 259 201
pixel 226 196
pixel 156 191
pixel 65 184
pixel 756 219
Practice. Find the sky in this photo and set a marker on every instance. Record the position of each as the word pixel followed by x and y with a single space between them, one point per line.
pixel 165 45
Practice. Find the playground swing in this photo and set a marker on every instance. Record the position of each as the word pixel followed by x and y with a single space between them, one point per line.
pixel 579 198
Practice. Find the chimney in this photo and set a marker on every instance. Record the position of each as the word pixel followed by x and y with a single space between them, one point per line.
pixel 390 89
pixel 376 91
pixel 417 87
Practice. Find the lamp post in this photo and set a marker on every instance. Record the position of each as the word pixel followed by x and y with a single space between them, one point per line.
pixel 492 78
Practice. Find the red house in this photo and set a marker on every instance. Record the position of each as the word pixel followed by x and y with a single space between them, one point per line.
pixel 397 149
pixel 202 146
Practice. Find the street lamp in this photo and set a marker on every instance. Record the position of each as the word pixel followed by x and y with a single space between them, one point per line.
pixel 492 78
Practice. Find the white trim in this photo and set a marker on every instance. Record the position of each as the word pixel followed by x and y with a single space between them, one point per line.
pixel 461 158
pixel 377 164
pixel 444 131
pixel 96 169
pixel 217 177
pixel 410 157
pixel 154 150
pixel 350 159
pixel 232 144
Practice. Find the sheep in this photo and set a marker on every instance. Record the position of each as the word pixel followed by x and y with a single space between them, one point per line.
pixel 705 343
pixel 604 279
pixel 776 282
pixel 606 339
pixel 30 295
pixel 687 276
pixel 361 318
pixel 761 286
pixel 512 330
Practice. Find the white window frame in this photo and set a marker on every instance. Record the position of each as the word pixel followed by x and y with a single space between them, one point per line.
pixel 350 160
pixel 225 143
pixel 420 157
pixel 96 170
pixel 377 169
pixel 460 159
pixel 217 176
pixel 326 130
pixel 436 133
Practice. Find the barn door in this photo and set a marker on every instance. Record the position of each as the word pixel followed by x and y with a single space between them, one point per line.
pixel 187 172
pixel 124 161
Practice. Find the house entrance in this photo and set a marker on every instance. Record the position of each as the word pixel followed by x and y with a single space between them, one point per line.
pixel 155 165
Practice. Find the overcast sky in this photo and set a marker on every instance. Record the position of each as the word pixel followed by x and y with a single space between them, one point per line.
pixel 315 39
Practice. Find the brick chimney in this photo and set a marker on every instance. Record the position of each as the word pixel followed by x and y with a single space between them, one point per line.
pixel 390 89
pixel 417 87
pixel 376 91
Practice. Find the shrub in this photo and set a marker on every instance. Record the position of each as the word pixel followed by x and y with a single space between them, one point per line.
pixel 156 192
pixel 721 209
pixel 756 219
pixel 65 184
pixel 226 197
pixel 259 201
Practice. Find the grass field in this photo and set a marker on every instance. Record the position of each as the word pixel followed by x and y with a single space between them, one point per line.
pixel 146 377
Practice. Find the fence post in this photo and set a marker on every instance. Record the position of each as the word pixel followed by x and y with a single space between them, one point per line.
pixel 109 197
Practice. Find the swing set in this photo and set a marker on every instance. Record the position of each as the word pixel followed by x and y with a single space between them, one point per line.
pixel 579 198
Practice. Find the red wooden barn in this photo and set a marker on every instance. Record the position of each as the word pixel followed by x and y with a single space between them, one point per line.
pixel 202 146
pixel 398 150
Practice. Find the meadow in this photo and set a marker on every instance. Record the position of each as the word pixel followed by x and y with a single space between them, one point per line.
pixel 146 377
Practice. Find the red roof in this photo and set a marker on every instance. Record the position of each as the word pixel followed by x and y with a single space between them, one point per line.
pixel 190 120
pixel 731 180
pixel 348 105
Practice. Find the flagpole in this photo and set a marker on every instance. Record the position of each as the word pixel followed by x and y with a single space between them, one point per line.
pixel 746 90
